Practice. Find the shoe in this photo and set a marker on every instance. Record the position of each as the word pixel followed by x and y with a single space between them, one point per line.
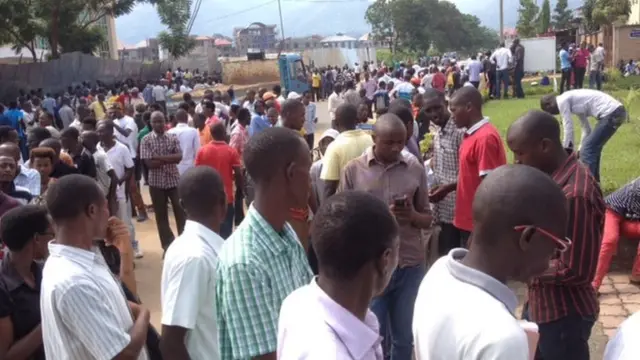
pixel 137 253
pixel 142 217
pixel 634 279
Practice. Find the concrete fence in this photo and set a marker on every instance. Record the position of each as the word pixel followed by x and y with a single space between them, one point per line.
pixel 72 69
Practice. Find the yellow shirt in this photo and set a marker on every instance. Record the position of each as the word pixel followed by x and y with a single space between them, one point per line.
pixel 346 147
pixel 98 110
pixel 315 80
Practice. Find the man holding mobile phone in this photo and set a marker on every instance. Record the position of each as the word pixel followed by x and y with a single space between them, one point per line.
pixel 399 180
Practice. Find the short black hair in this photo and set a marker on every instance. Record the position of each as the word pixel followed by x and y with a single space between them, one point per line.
pixel 402 109
pixel 38 134
pixel 347 116
pixel 19 225
pixel 200 188
pixel 290 105
pixel 467 95
pixel 71 195
pixel 234 108
pixel 184 106
pixel 349 230
pixel 269 151
pixel 209 105
pixel 218 131
pixel 5 130
pixel 70 132
pixel 244 114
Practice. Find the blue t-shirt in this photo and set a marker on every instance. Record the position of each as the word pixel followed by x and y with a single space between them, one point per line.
pixel 258 123
pixel 565 59
pixel 14 117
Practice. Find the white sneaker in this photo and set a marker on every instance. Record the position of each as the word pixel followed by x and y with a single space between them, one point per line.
pixel 137 253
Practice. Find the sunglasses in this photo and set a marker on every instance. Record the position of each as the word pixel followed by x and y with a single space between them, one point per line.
pixel 563 243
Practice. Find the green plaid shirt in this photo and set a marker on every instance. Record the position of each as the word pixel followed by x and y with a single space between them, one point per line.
pixel 258 268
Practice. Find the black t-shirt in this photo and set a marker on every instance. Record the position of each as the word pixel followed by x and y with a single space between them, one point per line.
pixel 61 169
pixel 20 302
pixel 85 163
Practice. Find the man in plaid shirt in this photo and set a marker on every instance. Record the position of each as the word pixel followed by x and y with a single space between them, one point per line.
pixel 263 261
pixel 161 153
pixel 446 144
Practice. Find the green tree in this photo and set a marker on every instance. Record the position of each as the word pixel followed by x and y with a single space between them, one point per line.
pixel 527 14
pixel 562 15
pixel 19 26
pixel 608 12
pixel 378 15
pixel 175 14
pixel 544 19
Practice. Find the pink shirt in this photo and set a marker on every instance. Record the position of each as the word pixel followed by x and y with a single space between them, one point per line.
pixel 581 57
pixel 311 323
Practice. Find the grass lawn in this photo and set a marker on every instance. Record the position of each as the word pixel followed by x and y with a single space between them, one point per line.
pixel 621 155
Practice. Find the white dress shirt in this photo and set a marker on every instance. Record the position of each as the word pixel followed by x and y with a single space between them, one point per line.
pixel 335 100
pixel 159 93
pixel 446 326
pixel 314 326
pixel 127 122
pixel 120 160
pixel 85 314
pixel 624 345
pixel 188 289
pixel 502 58
pixel 583 103
pixel 189 144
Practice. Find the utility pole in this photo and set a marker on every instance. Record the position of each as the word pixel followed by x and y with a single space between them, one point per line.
pixel 501 20
pixel 282 21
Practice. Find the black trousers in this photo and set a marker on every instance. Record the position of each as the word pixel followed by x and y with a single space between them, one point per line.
pixel 564 339
pixel 309 139
pixel 578 74
pixel 160 200
pixel 450 238
pixel 565 80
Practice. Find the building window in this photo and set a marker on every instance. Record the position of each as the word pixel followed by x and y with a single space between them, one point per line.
pixel 295 45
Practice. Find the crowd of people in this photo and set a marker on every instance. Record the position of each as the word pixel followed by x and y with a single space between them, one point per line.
pixel 288 250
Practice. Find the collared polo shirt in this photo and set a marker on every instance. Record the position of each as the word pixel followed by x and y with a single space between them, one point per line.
pixel 20 302
pixel 85 314
pixel 258 268
pixel 347 146
pixel 224 159
pixel 406 177
pixel 462 313
pixel 312 325
pixel 29 179
pixel 481 152
pixel 188 289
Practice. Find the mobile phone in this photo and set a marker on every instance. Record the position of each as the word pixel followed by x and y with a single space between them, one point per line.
pixel 400 201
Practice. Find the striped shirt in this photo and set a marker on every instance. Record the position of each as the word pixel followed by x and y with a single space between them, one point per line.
pixel 85 314
pixel 626 200
pixel 565 288
pixel 257 269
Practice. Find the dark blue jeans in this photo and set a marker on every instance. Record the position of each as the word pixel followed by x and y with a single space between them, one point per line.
pixel 502 81
pixel 394 309
pixel 227 226
pixel 593 144
pixel 564 339
pixel 517 83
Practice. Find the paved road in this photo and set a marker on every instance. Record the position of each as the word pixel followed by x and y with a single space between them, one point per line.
pixel 619 298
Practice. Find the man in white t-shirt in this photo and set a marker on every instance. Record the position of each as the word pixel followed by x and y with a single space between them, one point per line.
pixel 120 160
pixel 502 58
pixel 189 139
pixel 188 286
pixel 464 309
pixel 474 68
pixel 585 103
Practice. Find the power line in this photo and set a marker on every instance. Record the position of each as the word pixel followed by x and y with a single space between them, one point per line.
pixel 246 10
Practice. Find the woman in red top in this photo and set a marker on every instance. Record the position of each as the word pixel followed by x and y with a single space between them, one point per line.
pixel 439 81
pixel 580 57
